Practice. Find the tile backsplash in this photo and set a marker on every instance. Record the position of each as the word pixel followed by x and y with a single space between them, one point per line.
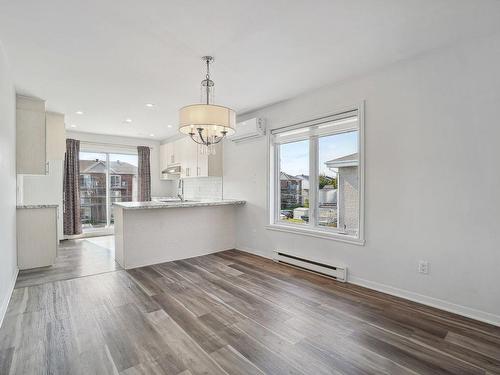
pixel 203 188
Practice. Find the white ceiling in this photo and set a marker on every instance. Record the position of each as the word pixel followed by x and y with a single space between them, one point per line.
pixel 109 58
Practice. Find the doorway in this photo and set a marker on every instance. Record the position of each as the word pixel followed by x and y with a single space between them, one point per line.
pixel 105 178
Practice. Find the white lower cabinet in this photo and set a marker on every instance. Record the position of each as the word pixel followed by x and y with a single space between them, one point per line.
pixel 36 236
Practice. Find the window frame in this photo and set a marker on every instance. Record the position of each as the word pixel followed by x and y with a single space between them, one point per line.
pixel 273 196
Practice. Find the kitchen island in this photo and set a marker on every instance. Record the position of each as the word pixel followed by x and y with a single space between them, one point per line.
pixel 155 232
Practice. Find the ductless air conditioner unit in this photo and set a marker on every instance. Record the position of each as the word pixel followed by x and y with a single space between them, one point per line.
pixel 249 129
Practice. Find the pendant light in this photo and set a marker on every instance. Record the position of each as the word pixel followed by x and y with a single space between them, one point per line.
pixel 207 124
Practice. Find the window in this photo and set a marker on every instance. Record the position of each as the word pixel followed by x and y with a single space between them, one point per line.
pixel 294 193
pixel 116 181
pixel 338 182
pixel 316 169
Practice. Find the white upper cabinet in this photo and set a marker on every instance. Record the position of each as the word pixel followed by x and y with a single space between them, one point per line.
pixel 56 136
pixel 210 165
pixel 30 135
pixel 187 156
pixel 163 158
pixel 202 167
pixel 40 136
pixel 185 153
pixel 171 157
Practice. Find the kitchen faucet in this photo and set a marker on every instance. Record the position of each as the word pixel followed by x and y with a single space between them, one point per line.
pixel 180 187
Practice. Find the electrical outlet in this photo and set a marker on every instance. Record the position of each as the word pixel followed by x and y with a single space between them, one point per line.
pixel 423 267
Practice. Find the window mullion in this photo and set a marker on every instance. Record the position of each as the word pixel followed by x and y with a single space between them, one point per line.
pixel 277 192
pixel 313 181
pixel 108 194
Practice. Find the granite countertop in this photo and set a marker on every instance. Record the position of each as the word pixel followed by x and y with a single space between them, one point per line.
pixel 177 204
pixel 37 206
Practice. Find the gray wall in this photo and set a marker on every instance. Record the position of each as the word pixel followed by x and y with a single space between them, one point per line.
pixel 431 127
pixel 8 258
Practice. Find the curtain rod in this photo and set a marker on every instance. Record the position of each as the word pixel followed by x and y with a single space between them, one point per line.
pixel 112 144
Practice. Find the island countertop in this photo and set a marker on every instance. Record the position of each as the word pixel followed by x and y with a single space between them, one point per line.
pixel 177 204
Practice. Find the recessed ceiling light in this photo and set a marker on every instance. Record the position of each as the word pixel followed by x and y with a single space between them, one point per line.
pixel 128 120
pixel 151 135
pixel 169 126
pixel 150 105
pixel 79 112
pixel 73 125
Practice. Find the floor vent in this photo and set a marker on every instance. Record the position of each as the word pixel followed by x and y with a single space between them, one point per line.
pixel 339 273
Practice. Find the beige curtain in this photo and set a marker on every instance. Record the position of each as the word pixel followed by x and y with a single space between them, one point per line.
pixel 144 174
pixel 71 188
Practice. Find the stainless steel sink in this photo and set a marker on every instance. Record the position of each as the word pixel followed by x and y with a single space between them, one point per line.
pixel 175 201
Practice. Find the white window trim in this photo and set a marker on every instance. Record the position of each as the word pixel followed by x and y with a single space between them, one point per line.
pixel 273 183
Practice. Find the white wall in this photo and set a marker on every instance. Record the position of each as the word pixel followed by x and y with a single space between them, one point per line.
pixel 432 179
pixel 158 187
pixel 8 257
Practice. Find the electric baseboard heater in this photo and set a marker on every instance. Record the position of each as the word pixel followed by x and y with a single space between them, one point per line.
pixel 339 273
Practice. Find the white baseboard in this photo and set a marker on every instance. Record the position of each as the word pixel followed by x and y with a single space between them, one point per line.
pixel 255 252
pixel 468 312
pixel 6 299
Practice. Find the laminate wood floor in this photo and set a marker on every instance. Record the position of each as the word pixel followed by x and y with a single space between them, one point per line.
pixel 75 258
pixel 233 313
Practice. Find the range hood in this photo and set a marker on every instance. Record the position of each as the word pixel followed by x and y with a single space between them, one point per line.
pixel 173 170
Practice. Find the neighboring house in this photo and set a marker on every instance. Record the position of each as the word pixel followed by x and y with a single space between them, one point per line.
pixel 123 188
pixel 295 194
pixel 326 195
pixel 305 186
pixel 291 191
pixel 346 168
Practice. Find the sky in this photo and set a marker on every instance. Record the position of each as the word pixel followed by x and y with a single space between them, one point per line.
pixel 295 156
pixel 131 159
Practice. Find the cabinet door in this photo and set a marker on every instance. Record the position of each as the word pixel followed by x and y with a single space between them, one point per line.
pixel 215 162
pixel 182 157
pixel 189 157
pixel 30 136
pixel 55 136
pixel 171 153
pixel 163 157
pixel 202 165
pixel 36 237
pixel 179 156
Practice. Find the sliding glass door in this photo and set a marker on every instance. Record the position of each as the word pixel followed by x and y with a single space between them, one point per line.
pixel 93 191
pixel 122 180
pixel 105 178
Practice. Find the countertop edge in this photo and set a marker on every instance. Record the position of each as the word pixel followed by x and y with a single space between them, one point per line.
pixel 182 205
pixel 34 206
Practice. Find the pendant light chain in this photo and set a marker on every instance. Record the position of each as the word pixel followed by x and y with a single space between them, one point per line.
pixel 208 80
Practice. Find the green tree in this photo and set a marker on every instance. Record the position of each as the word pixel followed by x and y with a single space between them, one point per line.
pixel 325 180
